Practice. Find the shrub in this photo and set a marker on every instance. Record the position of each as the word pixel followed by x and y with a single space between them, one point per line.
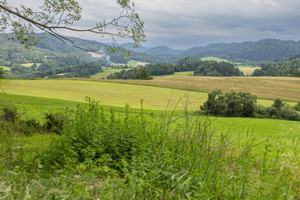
pixel 54 122
pixel 94 136
pixel 297 107
pixel 9 114
pixel 231 104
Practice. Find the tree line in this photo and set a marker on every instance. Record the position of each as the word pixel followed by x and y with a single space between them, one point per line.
pixel 241 104
pixel 200 68
pixel 290 67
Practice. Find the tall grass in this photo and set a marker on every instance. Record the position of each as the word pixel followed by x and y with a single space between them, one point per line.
pixel 109 156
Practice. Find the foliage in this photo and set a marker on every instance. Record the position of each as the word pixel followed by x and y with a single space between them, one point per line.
pixel 143 74
pixel 9 114
pixel 231 104
pixel 55 122
pixel 93 137
pixel 1 72
pixel 284 68
pixel 297 107
pixel 211 68
pixel 55 15
pixel 202 68
pixel 244 105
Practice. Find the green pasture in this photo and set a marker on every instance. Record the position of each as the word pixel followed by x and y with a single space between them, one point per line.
pixel 214 59
pixel 106 71
pixel 5 68
pixel 133 63
pixel 277 133
pixel 30 64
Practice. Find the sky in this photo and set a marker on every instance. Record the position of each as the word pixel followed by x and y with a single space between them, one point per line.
pixel 182 24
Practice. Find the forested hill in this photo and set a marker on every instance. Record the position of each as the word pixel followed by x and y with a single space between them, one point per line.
pixel 48 49
pixel 289 67
pixel 266 50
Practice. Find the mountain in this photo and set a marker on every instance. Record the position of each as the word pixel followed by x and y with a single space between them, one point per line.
pixel 266 50
pixel 257 52
pixel 163 50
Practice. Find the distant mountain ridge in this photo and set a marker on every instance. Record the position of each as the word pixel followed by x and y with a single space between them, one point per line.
pixel 266 50
pixel 257 52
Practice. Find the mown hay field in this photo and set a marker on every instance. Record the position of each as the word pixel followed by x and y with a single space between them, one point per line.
pixel 112 94
pixel 285 88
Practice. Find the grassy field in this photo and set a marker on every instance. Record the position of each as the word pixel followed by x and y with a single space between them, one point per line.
pixel 106 71
pixel 35 107
pixel 247 70
pixel 5 68
pixel 112 94
pixel 285 88
pixel 214 59
pixel 135 63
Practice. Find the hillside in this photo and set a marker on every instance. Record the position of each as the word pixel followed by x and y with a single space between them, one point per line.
pixel 267 50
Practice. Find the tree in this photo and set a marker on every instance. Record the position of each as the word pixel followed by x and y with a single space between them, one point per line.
pixel 56 15
pixel 1 73
pixel 143 74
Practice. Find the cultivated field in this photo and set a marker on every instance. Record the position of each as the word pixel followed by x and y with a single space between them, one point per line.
pixel 112 94
pixel 285 88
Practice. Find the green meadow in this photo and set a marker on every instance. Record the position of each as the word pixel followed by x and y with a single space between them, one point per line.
pixel 160 149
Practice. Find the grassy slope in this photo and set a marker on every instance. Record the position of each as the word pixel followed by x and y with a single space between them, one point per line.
pixel 285 88
pixel 279 131
pixel 107 93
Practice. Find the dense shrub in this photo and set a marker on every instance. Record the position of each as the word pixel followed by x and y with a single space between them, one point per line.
pixel 241 104
pixel 212 68
pixel 297 107
pixel 93 136
pixel 54 122
pixel 230 104
pixel 9 114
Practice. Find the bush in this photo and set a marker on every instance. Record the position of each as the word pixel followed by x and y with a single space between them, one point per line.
pixel 231 104
pixel 297 107
pixel 54 122
pixel 92 136
pixel 241 104
pixel 9 114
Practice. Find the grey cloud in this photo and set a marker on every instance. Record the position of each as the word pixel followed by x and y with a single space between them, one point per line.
pixel 181 24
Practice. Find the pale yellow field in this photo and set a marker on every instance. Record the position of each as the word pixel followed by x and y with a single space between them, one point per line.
pixel 285 88
pixel 112 94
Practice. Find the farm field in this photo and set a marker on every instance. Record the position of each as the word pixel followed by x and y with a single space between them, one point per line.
pixel 106 71
pixel 106 93
pixel 112 94
pixel 247 70
pixel 285 88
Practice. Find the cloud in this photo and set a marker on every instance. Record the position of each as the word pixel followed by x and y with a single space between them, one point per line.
pixel 187 23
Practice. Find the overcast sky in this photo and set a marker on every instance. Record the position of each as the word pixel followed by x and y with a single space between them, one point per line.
pixel 187 23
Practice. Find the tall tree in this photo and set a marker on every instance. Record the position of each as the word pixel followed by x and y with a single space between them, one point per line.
pixel 54 16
